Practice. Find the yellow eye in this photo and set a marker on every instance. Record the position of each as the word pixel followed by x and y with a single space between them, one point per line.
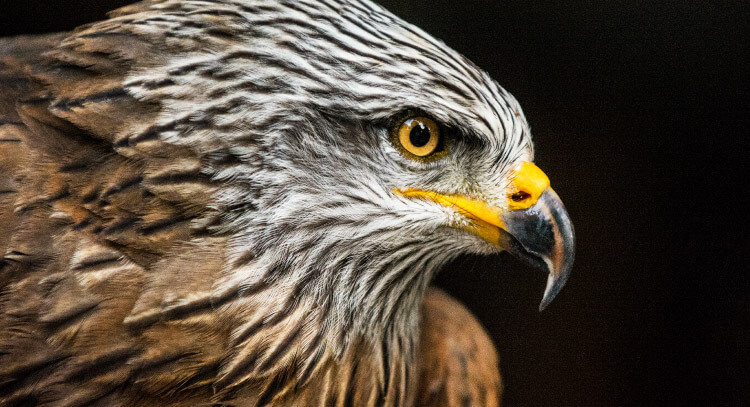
pixel 419 136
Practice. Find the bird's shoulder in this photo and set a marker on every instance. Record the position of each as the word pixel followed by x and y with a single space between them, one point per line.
pixel 91 235
pixel 458 363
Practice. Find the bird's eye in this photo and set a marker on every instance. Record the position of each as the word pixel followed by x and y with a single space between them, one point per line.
pixel 419 136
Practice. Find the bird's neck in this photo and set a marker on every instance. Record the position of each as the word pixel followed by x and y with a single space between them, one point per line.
pixel 291 346
pixel 323 329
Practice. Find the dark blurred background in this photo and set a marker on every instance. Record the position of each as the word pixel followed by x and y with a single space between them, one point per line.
pixel 640 117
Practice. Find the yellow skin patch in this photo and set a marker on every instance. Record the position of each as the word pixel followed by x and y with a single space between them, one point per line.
pixel 527 184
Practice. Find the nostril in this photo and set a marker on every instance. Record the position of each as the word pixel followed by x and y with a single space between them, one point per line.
pixel 520 196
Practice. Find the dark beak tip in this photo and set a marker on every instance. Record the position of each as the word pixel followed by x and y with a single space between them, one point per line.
pixel 563 264
pixel 555 284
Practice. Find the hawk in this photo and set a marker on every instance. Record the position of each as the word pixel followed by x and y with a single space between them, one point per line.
pixel 243 203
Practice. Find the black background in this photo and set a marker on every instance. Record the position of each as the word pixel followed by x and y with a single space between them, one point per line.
pixel 639 114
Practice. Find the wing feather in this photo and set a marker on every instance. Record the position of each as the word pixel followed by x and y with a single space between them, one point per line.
pixel 458 364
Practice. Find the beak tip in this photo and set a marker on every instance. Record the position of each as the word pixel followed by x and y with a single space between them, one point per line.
pixel 555 283
pixel 549 293
pixel 546 301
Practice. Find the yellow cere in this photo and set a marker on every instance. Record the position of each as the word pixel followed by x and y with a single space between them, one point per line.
pixel 527 186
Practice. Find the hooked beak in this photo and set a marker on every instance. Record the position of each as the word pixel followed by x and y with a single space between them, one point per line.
pixel 535 228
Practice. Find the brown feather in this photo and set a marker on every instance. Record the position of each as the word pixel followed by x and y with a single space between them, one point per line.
pixel 458 364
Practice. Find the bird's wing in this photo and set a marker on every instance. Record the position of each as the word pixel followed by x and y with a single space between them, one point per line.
pixel 63 99
pixel 92 235
pixel 15 55
pixel 11 147
pixel 458 364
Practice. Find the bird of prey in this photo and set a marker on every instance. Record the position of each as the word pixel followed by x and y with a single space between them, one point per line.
pixel 243 203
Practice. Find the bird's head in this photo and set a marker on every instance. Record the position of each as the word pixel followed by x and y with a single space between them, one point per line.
pixel 364 154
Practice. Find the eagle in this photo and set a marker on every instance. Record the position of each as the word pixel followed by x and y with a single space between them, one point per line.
pixel 244 203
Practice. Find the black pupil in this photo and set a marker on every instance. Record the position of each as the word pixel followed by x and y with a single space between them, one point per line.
pixel 419 135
